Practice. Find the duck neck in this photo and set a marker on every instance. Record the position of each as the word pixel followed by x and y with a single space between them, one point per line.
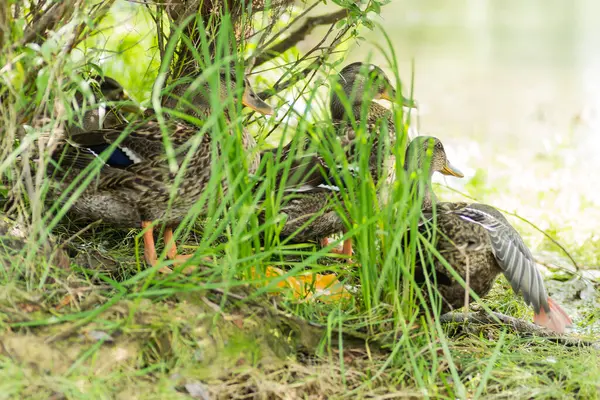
pixel 375 110
pixel 421 186
pixel 428 196
pixel 199 110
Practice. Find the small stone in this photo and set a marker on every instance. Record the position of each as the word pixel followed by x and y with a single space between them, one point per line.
pixel 197 390
pixel 100 335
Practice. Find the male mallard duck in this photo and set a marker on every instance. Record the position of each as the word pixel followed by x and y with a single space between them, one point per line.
pixel 358 85
pixel 479 243
pixel 134 186
pixel 101 115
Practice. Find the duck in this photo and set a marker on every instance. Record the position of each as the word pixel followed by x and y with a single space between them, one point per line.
pixel 111 100
pixel 134 185
pixel 310 209
pixel 477 241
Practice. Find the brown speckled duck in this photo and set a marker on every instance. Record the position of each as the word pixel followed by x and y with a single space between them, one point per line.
pixel 479 243
pixel 357 86
pixel 134 186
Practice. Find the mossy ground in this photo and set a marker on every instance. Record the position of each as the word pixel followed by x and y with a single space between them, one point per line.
pixel 83 335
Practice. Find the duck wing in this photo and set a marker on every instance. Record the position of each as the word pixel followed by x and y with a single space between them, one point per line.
pixel 511 253
pixel 313 167
pixel 136 143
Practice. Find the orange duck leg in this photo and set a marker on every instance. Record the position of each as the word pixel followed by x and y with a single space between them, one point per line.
pixel 346 246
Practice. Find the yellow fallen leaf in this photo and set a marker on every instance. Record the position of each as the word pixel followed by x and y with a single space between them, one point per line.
pixel 323 287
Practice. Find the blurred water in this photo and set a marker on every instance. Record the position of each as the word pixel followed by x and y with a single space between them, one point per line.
pixel 513 89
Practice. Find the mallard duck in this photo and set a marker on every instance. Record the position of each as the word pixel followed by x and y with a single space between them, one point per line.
pixel 134 186
pixel 478 242
pixel 358 85
pixel 100 115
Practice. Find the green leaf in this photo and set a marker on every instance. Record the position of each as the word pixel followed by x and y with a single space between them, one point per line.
pixel 41 84
pixel 96 68
pixel 375 7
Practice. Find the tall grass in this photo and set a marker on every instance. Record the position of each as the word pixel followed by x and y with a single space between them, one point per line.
pixel 238 227
pixel 231 229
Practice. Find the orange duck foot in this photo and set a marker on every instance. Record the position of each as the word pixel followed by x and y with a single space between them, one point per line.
pixel 345 250
pixel 556 320
pixel 150 250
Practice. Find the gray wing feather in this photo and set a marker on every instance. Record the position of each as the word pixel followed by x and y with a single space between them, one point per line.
pixel 511 253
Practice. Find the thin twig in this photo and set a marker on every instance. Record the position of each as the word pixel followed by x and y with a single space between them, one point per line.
pixel 99 11
pixel 250 62
pixel 278 87
pixel 260 49
pixel 158 20
pixel 36 28
pixel 299 35
pixel 553 266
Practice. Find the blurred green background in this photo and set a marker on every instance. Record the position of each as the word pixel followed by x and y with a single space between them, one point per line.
pixel 513 90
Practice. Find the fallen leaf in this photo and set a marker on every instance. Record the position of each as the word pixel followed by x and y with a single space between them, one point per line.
pixel 238 321
pixel 322 287
pixel 29 307
pixel 68 299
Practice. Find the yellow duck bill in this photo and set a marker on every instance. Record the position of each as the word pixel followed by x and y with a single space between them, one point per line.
pixel 390 95
pixel 251 100
pixel 450 169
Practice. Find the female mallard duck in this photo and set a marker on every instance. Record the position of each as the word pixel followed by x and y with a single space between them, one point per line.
pixel 134 185
pixel 101 115
pixel 478 242
pixel 358 86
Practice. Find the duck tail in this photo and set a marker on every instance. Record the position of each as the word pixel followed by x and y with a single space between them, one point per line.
pixel 556 319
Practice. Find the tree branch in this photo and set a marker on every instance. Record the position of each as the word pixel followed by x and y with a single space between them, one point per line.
pixel 38 27
pixel 299 35
pixel 279 86
pixel 179 10
pixel 262 44
pixel 482 318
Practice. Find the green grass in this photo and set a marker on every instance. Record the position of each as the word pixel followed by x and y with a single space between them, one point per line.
pixel 154 346
pixel 107 326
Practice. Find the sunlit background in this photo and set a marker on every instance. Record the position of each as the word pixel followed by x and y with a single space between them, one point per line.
pixel 511 87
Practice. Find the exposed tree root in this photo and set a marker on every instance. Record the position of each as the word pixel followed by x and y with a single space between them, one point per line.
pixel 481 319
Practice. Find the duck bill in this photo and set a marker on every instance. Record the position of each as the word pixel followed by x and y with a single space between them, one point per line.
pixel 450 169
pixel 251 100
pixel 390 95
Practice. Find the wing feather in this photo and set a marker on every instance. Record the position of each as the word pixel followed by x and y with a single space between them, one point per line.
pixel 513 256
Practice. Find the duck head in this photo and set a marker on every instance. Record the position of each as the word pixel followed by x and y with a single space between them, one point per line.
pixel 100 114
pixel 362 83
pixel 200 94
pixel 427 154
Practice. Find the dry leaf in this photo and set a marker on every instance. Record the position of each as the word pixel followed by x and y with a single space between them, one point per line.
pixel 322 287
